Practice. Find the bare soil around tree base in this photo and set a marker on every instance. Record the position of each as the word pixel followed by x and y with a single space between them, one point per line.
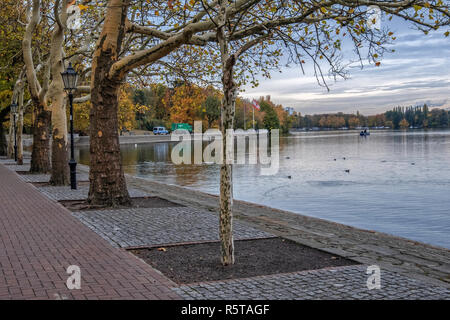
pixel 48 184
pixel 138 202
pixel 24 172
pixel 201 262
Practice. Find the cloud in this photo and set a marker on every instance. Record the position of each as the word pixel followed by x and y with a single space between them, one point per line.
pixel 417 73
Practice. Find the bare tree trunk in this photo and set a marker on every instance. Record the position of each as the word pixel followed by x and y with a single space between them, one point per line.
pixel 19 127
pixel 227 119
pixel 107 180
pixel 3 142
pixel 17 97
pixel 40 157
pixel 55 94
pixel 60 155
pixel 226 183
pixel 10 150
pixel 40 153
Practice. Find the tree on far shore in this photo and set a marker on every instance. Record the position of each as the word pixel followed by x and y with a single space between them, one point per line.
pixel 404 124
pixel 211 108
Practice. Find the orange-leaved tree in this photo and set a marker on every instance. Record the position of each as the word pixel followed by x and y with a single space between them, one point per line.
pixel 185 103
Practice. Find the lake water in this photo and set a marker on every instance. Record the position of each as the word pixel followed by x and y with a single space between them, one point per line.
pixel 398 183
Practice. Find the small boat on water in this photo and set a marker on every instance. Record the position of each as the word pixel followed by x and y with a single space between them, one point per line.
pixel 364 133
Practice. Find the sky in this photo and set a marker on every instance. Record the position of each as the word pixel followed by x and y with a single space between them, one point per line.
pixel 417 72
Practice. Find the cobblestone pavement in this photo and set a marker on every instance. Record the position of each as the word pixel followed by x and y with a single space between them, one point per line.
pixel 343 283
pixel 65 193
pixel 155 226
pixel 35 177
pixel 11 164
pixel 46 177
pixel 8 162
pixel 411 258
pixel 39 240
pixel 15 167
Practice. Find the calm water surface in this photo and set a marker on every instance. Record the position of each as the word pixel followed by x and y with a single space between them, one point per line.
pixel 399 182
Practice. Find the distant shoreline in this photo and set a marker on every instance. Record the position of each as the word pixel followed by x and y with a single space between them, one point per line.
pixel 83 141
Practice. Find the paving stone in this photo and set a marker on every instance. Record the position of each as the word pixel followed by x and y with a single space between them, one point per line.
pixel 317 285
pixel 46 177
pixel 154 226
pixel 9 162
pixel 15 167
pixel 65 193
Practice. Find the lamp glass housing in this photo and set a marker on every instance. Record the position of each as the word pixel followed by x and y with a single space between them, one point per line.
pixel 70 78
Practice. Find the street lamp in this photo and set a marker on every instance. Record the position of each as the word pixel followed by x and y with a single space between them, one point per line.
pixel 70 78
pixel 14 112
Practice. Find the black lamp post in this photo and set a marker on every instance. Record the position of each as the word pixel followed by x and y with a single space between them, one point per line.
pixel 70 78
pixel 14 112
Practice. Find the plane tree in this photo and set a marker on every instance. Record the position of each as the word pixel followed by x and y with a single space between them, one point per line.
pixel 11 32
pixel 17 98
pixel 124 28
pixel 31 50
pixel 45 82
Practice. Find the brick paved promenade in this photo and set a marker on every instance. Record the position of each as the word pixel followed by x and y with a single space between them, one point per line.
pixel 39 239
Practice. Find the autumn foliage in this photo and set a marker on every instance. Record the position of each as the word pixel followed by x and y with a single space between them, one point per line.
pixel 185 103
pixel 126 114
